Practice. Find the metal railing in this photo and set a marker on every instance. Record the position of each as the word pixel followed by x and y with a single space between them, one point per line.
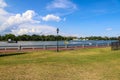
pixel 45 47
pixel 115 45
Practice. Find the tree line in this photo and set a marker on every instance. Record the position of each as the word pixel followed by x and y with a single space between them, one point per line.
pixel 99 38
pixel 35 37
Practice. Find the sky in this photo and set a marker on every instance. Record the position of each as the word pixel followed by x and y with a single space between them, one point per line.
pixel 79 18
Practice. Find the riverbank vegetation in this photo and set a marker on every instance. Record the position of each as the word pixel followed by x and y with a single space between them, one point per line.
pixel 83 64
pixel 35 37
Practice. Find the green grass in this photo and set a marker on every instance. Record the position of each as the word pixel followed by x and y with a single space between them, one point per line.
pixel 83 64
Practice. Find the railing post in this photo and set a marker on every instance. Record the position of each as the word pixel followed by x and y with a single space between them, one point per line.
pixel 108 44
pixel 66 46
pixel 96 45
pixel 20 47
pixel 45 47
pixel 83 46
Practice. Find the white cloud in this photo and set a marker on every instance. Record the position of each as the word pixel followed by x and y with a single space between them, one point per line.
pixel 24 23
pixel 61 4
pixel 51 17
pixel 2 4
pixel 18 19
pixel 34 29
pixel 3 13
pixel 21 18
pixel 109 29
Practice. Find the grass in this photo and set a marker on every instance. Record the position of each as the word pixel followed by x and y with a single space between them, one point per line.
pixel 83 64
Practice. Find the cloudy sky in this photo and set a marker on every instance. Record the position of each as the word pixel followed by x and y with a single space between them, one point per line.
pixel 72 17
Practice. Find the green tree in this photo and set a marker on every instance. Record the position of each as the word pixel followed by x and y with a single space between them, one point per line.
pixel 35 37
pixel 24 37
pixel 10 36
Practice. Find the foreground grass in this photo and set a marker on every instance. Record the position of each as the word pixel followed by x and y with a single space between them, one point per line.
pixel 83 64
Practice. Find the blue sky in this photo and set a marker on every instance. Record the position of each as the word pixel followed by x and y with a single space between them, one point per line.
pixel 72 17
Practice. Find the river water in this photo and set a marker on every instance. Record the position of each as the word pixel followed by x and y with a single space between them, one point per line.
pixel 73 42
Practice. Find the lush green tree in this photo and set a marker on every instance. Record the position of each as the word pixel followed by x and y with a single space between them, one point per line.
pixel 0 38
pixel 24 37
pixel 10 36
pixel 119 38
pixel 35 37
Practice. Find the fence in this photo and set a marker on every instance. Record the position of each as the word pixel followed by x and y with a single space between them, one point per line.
pixel 50 47
pixel 115 45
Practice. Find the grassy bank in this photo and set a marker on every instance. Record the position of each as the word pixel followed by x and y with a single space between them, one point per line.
pixel 83 64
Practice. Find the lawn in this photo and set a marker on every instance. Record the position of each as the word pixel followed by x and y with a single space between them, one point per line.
pixel 82 64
